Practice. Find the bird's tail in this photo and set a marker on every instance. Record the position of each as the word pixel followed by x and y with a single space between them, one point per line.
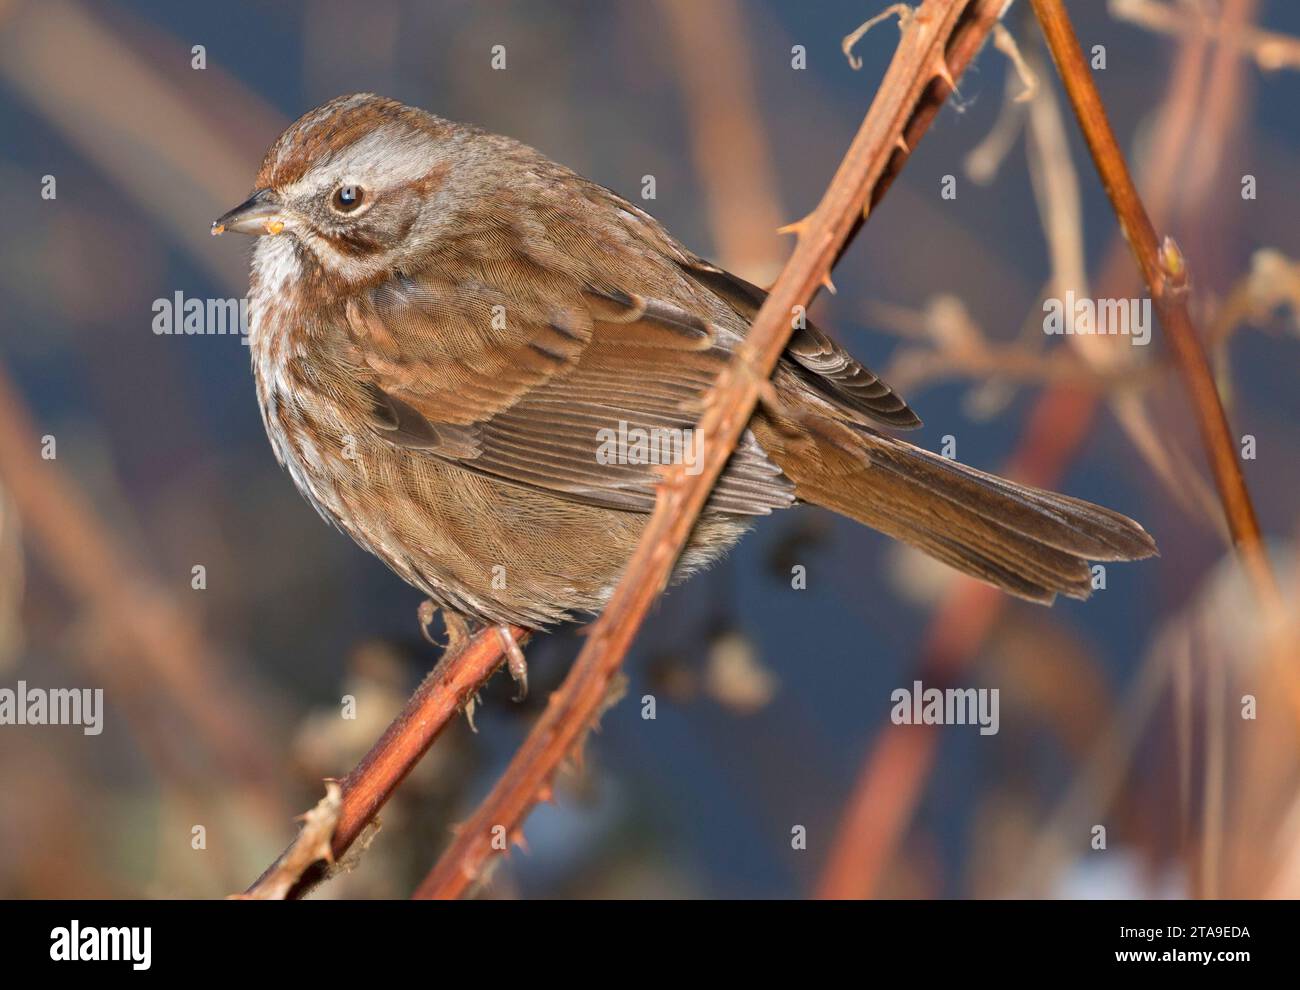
pixel 1030 542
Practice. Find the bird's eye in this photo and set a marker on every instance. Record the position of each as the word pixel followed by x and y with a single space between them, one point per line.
pixel 346 199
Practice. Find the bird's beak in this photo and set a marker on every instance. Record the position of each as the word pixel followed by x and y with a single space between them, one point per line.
pixel 261 213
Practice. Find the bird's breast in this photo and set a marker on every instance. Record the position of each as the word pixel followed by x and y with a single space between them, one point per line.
pixel 307 421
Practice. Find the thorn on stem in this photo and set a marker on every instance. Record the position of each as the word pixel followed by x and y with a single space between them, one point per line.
pixel 943 72
pixel 768 397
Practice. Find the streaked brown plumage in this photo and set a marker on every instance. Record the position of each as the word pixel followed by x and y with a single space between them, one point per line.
pixel 448 319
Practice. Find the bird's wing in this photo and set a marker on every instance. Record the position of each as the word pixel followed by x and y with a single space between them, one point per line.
pixel 825 365
pixel 582 396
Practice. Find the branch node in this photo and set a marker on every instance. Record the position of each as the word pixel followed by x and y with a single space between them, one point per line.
pixel 1173 264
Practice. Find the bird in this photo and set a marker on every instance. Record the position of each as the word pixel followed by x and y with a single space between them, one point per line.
pixel 473 360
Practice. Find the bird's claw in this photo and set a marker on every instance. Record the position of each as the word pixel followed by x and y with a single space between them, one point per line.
pixel 458 632
pixel 425 614
pixel 515 662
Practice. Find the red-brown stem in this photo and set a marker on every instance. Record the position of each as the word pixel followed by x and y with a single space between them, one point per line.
pixel 458 676
pixel 1165 272
pixel 937 40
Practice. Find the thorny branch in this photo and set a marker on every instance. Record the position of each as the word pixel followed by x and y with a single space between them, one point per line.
pixel 939 38
pixel 446 691
pixel 312 845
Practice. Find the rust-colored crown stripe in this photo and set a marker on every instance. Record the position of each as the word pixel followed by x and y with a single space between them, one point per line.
pixel 331 128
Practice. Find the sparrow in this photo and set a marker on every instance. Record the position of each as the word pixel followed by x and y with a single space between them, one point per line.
pixel 463 352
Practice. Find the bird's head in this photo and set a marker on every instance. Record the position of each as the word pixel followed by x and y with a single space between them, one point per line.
pixel 361 184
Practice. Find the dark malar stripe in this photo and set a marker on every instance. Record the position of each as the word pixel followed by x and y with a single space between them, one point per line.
pixel 353 244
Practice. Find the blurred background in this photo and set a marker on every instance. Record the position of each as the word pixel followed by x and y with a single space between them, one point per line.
pixel 222 691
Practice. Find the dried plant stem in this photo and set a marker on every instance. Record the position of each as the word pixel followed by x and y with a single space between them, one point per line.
pixel 1270 50
pixel 457 678
pixel 937 43
pixel 732 156
pixel 1165 272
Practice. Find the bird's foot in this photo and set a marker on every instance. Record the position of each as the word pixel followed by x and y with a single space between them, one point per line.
pixel 515 662
pixel 458 632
